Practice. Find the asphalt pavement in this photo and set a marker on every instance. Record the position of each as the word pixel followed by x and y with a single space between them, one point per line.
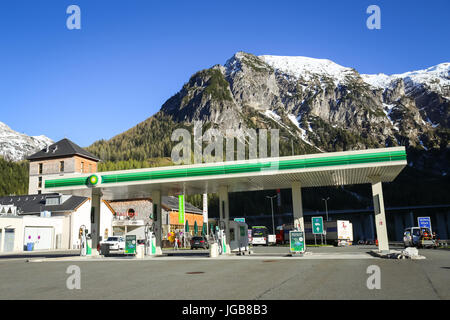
pixel 267 274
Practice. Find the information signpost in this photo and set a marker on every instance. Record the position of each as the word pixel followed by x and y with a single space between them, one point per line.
pixel 424 222
pixel 317 227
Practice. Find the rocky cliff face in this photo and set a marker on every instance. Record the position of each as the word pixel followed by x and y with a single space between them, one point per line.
pixel 323 106
pixel 15 146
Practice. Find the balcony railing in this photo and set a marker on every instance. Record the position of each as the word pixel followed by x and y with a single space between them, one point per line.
pixel 123 220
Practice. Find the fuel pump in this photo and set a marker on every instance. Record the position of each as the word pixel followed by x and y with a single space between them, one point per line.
pixel 219 240
pixel 147 238
pixel 221 235
pixel 150 240
pixel 83 240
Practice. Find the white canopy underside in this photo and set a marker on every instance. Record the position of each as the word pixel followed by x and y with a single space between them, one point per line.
pixel 345 174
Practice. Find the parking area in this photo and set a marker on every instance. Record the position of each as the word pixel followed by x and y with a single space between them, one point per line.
pixel 259 277
pixel 258 251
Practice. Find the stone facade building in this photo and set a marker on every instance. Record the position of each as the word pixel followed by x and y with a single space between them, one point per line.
pixel 140 211
pixel 62 157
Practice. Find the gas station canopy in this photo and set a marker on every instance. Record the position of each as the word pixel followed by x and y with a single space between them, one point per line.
pixel 313 170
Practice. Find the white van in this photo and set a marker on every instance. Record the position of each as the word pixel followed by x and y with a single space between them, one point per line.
pixel 418 237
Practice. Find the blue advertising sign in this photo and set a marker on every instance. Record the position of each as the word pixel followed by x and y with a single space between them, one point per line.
pixel 424 222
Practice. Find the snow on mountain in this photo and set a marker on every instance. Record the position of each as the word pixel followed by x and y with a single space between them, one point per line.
pixel 271 114
pixel 275 117
pixel 306 68
pixel 434 77
pixel 303 135
pixel 387 109
pixel 15 146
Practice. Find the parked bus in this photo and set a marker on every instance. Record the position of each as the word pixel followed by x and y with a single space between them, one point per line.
pixel 260 235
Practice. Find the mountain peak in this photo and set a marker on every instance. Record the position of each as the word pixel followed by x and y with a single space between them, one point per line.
pixel 17 146
pixel 307 68
pixel 243 59
pixel 437 77
pixel 316 104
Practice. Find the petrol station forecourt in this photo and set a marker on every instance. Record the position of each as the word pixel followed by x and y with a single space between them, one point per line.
pixel 371 166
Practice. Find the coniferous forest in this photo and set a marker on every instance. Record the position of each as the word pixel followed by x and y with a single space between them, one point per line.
pixel 13 177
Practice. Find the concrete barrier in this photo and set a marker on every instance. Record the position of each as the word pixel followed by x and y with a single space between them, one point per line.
pixel 214 250
pixel 140 251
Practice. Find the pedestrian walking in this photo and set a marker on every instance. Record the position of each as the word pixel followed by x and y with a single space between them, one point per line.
pixel 175 245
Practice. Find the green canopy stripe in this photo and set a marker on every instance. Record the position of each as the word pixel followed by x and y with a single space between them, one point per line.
pixel 233 168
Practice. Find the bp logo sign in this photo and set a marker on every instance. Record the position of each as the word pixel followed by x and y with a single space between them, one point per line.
pixel 93 180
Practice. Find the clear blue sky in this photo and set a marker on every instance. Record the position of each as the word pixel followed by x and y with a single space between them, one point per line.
pixel 130 56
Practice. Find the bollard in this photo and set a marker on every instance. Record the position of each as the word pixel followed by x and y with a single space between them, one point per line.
pixel 214 250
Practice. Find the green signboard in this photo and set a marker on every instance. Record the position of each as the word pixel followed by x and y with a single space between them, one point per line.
pixel 239 219
pixel 297 241
pixel 130 244
pixel 181 209
pixel 317 225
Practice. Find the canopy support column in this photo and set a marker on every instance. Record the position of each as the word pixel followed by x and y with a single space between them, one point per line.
pixel 380 218
pixel 398 219
pixel 411 219
pixel 224 220
pixel 157 219
pixel 297 206
pixel 96 198
pixel 441 226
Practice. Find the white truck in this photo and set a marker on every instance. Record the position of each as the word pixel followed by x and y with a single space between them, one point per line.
pixel 272 239
pixel 344 232
pixel 338 232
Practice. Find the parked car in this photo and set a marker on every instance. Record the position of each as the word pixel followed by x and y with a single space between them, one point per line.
pixel 199 242
pixel 115 243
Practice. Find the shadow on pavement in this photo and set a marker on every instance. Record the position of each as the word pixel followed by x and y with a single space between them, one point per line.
pixel 39 255
pixel 186 253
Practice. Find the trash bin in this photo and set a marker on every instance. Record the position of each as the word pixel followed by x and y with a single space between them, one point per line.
pixel 104 249
pixel 30 246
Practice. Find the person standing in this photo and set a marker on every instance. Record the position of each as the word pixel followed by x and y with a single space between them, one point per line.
pixel 175 245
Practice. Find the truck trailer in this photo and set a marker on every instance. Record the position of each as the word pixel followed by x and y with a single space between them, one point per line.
pixel 339 232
